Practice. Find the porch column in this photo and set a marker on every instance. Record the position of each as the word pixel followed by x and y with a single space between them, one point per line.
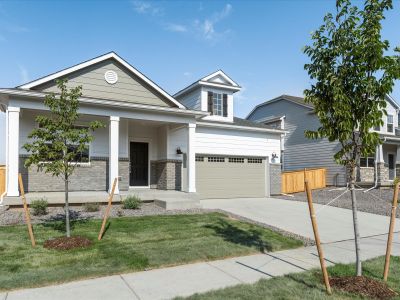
pixel 12 150
pixel 113 152
pixel 191 159
pixel 381 171
pixel 398 161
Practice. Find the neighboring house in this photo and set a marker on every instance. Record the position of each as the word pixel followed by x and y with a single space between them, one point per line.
pixel 151 139
pixel 295 116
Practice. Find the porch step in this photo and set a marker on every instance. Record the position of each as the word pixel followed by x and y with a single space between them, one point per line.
pixel 178 204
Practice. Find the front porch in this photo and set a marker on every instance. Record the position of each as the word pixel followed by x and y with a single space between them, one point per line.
pixel 382 168
pixel 149 152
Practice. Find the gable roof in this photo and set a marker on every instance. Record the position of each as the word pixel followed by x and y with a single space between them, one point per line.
pixel 300 101
pixel 110 55
pixel 206 81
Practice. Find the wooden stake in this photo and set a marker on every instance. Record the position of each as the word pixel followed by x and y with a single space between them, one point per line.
pixel 107 209
pixel 27 215
pixel 391 229
pixel 317 239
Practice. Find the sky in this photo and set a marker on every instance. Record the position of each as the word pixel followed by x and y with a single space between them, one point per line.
pixel 257 43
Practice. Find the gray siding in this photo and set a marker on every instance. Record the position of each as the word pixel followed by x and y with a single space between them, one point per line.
pixel 191 100
pixel 299 151
pixel 128 88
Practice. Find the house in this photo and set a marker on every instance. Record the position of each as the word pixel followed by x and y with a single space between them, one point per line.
pixel 190 142
pixel 295 116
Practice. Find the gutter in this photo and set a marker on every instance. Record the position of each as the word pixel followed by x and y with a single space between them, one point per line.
pixel 35 94
pixel 228 126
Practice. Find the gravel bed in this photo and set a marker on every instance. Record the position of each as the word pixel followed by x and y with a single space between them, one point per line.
pixel 377 201
pixel 16 216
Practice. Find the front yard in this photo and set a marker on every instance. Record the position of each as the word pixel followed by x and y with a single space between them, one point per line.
pixel 306 285
pixel 129 244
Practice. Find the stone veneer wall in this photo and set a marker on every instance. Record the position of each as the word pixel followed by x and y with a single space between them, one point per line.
pixel 275 174
pixel 90 177
pixel 166 174
pixel 383 173
pixel 366 174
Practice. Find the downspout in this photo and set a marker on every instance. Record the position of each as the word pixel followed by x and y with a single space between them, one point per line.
pixel 376 171
pixel 6 179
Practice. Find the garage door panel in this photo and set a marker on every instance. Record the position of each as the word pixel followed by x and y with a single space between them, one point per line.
pixel 230 179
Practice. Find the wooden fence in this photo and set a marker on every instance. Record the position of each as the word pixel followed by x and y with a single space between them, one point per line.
pixel 293 181
pixel 2 179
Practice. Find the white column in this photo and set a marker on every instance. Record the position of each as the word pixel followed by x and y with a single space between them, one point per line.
pixel 191 159
pixel 379 154
pixel 12 150
pixel 113 152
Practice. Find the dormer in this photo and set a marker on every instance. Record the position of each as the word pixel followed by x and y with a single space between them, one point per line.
pixel 213 93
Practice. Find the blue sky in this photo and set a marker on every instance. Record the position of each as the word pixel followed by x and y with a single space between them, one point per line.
pixel 257 43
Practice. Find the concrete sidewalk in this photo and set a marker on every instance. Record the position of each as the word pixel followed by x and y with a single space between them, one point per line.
pixel 335 224
pixel 186 280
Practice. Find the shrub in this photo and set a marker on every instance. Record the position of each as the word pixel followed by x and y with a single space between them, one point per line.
pixel 395 181
pixel 39 207
pixel 131 202
pixel 91 206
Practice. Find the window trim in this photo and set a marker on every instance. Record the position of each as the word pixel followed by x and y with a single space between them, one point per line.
pixel 390 123
pixel 367 158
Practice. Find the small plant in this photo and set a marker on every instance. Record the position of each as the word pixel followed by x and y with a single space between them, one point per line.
pixel 131 202
pixel 39 207
pixel 91 206
pixel 120 212
pixel 395 181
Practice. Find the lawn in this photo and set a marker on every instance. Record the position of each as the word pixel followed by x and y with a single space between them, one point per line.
pixel 129 244
pixel 306 285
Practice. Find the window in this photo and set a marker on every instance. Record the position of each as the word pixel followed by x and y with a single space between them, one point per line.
pixel 216 159
pixel 390 123
pixel 377 128
pixel 239 160
pixel 254 160
pixel 199 158
pixel 80 157
pixel 217 104
pixel 367 162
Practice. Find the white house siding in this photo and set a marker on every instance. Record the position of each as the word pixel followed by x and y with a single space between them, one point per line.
pixel 235 142
pixel 301 152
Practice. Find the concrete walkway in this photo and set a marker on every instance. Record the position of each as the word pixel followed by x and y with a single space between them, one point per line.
pixel 186 280
pixel 335 224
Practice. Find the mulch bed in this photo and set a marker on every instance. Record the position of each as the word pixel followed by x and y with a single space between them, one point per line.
pixel 67 243
pixel 363 286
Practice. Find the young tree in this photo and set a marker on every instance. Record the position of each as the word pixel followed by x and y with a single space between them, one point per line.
pixel 351 73
pixel 57 144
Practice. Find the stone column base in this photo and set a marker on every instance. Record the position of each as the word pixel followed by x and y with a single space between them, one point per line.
pixel 382 172
pixel 166 174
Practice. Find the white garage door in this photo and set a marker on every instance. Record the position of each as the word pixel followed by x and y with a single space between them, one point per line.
pixel 230 177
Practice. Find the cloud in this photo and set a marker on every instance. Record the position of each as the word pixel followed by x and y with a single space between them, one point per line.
pixel 23 74
pixel 145 7
pixel 187 74
pixel 176 27
pixel 240 97
pixel 206 27
pixel 17 29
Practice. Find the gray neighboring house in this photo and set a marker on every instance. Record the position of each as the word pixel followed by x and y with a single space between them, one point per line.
pixel 293 115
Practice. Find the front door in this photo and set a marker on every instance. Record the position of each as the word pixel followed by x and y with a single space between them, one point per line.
pixel 139 158
pixel 391 166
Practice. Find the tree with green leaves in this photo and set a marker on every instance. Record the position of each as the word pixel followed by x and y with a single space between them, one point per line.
pixel 352 71
pixel 57 144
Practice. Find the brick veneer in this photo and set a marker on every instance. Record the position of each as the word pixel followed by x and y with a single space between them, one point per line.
pixel 166 174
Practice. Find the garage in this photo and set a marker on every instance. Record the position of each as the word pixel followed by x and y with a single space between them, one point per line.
pixel 231 176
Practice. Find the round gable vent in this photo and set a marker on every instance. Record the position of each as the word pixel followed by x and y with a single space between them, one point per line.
pixel 111 77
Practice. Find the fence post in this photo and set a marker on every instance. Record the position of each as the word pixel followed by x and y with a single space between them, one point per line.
pixel 317 239
pixel 391 229
pixel 27 216
pixel 107 209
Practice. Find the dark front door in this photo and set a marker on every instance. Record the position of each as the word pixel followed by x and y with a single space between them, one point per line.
pixel 139 156
pixel 391 166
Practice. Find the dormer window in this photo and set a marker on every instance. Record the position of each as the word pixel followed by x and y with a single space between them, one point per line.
pixel 218 104
pixel 390 123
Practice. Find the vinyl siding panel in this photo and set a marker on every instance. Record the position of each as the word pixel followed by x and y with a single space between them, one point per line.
pixel 128 88
pixel 301 152
pixel 235 142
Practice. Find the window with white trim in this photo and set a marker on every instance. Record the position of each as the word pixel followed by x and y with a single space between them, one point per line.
pixel 217 104
pixel 389 123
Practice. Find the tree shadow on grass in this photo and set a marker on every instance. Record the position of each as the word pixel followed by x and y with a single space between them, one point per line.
pixel 234 234
pixel 57 222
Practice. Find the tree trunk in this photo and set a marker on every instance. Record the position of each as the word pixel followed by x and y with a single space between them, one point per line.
pixel 355 223
pixel 67 226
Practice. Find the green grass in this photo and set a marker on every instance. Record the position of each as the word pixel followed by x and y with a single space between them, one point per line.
pixel 306 285
pixel 129 244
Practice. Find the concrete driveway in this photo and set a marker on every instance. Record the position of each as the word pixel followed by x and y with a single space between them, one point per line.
pixel 335 224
